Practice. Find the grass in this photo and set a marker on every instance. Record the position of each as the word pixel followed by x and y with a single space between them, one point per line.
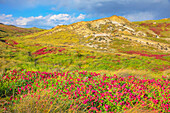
pixel 42 102
pixel 77 58
pixel 139 108
pixel 160 27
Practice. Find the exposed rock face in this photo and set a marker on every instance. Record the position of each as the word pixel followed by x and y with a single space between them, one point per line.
pixel 140 33
pixel 101 39
pixel 101 35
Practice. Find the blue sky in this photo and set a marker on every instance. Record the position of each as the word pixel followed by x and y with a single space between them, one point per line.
pixel 49 13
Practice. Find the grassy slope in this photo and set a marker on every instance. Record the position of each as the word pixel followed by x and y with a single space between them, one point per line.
pixel 78 57
pixel 160 27
pixel 10 30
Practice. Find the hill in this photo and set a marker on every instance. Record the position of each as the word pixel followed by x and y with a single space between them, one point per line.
pixel 94 45
pixel 11 30
pixel 100 34
pixel 107 65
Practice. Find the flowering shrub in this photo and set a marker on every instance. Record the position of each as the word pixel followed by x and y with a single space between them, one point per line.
pixel 93 57
pixel 157 28
pixel 146 24
pixel 45 50
pixel 168 24
pixel 143 53
pixel 36 45
pixel 161 68
pixel 90 91
pixel 11 42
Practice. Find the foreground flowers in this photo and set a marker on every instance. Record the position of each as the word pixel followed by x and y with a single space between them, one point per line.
pixel 91 91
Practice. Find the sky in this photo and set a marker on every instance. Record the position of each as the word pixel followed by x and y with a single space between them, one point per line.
pixel 50 13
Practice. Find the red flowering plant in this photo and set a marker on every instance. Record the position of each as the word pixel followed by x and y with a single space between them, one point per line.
pixel 92 92
pixel 46 50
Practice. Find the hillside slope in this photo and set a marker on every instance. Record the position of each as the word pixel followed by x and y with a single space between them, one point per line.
pixel 10 30
pixel 160 27
pixel 100 34
pixel 108 45
pixel 113 25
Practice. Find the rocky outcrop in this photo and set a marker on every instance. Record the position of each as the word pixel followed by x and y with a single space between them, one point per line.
pixel 101 39
pixel 102 31
pixel 106 39
pixel 114 24
pixel 102 35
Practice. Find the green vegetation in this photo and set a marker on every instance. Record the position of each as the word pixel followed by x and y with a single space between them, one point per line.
pixel 46 56
pixel 10 30
pixel 63 57
pixel 160 27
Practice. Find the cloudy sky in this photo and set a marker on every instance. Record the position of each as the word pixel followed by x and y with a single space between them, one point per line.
pixel 49 13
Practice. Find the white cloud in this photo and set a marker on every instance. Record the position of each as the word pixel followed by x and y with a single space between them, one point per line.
pixel 3 16
pixel 140 16
pixel 81 17
pixel 48 21
pixel 60 17
pixel 23 21
pixel 39 17
pixel 8 16
pixel 6 19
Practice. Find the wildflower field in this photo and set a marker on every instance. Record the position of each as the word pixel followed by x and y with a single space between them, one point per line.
pixel 82 91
